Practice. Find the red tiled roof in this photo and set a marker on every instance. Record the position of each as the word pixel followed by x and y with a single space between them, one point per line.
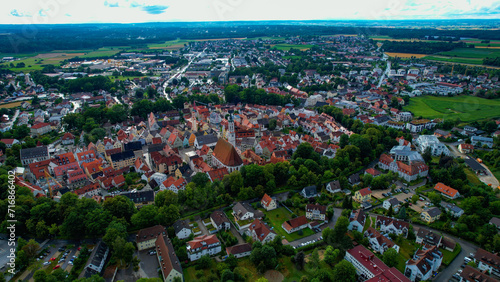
pixel 40 125
pixel 226 153
pixel 447 190
pixel 295 222
pixel 208 239
pixel 365 191
pixel 266 200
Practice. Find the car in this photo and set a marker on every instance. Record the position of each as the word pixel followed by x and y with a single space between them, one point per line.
pixel 2 238
pixel 56 267
pixel 77 256
pixel 471 255
pixel 79 248
pixel 459 271
pixel 52 259
pixel 462 266
pixel 456 276
pixel 410 204
pixel 46 263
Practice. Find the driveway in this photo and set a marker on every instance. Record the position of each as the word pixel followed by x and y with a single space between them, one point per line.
pixel 316 237
pixel 203 228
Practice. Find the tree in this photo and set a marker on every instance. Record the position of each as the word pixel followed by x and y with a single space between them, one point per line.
pixel 120 206
pixel 227 275
pixel 314 259
pixel 204 262
pixel 390 257
pixel 146 217
pixel 434 197
pixel 402 213
pixel 31 249
pixel 272 124
pixel 427 155
pixel 390 211
pixel 116 229
pixel 331 255
pixel 200 179
pixel 344 271
pixel 414 198
pixel 167 215
pixel 299 260
pixel 123 250
pixel 340 228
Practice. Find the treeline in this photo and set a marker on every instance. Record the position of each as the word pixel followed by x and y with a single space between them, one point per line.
pixel 492 61
pixel 82 84
pixel 236 94
pixel 419 47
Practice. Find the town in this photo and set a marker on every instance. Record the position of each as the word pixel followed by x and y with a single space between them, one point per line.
pixel 314 158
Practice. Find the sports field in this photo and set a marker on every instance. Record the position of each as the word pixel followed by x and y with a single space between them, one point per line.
pixel 466 108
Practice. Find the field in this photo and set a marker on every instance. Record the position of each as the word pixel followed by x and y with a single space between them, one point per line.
pixel 280 215
pixel 472 53
pixel 287 47
pixel 11 105
pixel 466 108
pixel 405 55
pixel 455 60
pixel 169 45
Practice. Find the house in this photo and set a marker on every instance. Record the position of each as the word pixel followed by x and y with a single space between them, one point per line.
pixel 373 172
pixel 363 195
pixel 141 198
pixel 357 220
pixel 431 215
pixel 98 258
pixel 446 191
pixel 423 264
pixel 170 266
pixel 466 148
pixel 309 192
pixel 295 224
pixel 258 230
pixel 392 202
pixel 334 187
pixel 209 140
pixel 31 155
pixel 480 141
pixel 424 142
pixel 68 139
pixel 470 274
pixel 315 212
pixel 241 212
pixel 487 261
pixel 40 129
pixel 425 236
pixel 173 184
pixel 379 242
pixel 370 268
pixel 240 250
pixel 203 245
pixel 10 142
pixel 392 225
pixel 122 159
pixel 146 237
pixel 495 221
pixel 220 221
pixel 452 209
pixel 268 203
pixel 182 229
pixel 354 179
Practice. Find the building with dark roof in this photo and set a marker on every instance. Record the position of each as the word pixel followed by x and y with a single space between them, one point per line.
pixel 423 264
pixel 470 274
pixel 167 259
pixel 425 236
pixel 141 198
pixel 309 192
pixel 122 159
pixel 209 139
pixel 146 237
pixel 182 229
pixel 98 258
pixel 240 250
pixel 31 155
pixel 220 221
pixel 487 261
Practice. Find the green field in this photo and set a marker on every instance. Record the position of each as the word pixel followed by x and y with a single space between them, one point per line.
pixel 287 47
pixel 170 45
pixel 479 53
pixel 280 215
pixel 455 60
pixel 466 108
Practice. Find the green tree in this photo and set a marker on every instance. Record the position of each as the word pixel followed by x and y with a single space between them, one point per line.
pixel 344 271
pixel 123 250
pixel 331 255
pixel 390 257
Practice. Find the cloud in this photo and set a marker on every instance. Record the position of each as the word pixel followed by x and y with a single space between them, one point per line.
pixel 15 13
pixel 41 13
pixel 154 9
pixel 111 5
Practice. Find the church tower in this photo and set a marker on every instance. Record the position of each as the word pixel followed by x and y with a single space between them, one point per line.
pixel 231 136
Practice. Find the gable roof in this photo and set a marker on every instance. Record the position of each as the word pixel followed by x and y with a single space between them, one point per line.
pixel 261 229
pixel 295 222
pixel 365 191
pixel 447 190
pixel 226 153
pixel 239 249
pixel 313 207
pixel 219 218
pixel 266 200
pixel 149 233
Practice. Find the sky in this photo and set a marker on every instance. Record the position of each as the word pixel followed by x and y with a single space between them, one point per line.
pixel 137 11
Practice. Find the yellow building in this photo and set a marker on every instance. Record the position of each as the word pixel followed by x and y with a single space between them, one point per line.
pixel 146 238
pixel 363 195
pixel 431 215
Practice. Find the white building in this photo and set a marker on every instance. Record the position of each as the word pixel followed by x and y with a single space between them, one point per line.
pixel 203 245
pixel 430 141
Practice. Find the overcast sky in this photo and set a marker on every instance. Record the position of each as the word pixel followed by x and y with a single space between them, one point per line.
pixel 134 11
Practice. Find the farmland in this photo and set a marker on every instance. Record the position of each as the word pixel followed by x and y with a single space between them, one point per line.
pixel 465 108
pixel 479 53
pixel 169 45
pixel 405 55
pixel 11 105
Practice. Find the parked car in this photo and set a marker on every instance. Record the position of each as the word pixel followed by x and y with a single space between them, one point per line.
pixel 46 263
pixel 52 259
pixel 56 267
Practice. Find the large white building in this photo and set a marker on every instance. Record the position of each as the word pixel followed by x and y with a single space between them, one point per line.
pixel 430 141
pixel 423 264
pixel 203 245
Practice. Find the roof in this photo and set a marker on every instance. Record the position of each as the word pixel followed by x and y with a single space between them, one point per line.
pixel 365 191
pixel 335 185
pixel 447 190
pixel 373 264
pixel 472 163
pixel 219 218
pixel 217 174
pixel 473 275
pixel 226 153
pixel 433 212
pixel 295 222
pixel 488 258
pixel 239 249
pixel 40 125
pixel 166 256
pixel 266 200
pixel 36 152
pixel 180 224
pixel 399 224
pixel 373 171
pixel 260 228
pixel 495 221
pixel 202 241
pixel 359 216
pixel 149 233
pixel 312 207
pixel 310 190
pixel 206 139
pixel 140 196
pixel 393 201
pixel 125 155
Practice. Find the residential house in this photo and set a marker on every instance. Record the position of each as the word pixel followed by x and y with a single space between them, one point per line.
pixel 452 209
pixel 10 142
pixel 258 230
pixel 141 198
pixel 431 215
pixel 487 261
pixel 122 159
pixel 357 220
pixel 479 141
pixel 182 229
pixel 423 264
pixel 309 192
pixel 146 237
pixel 170 266
pixel 447 191
pixel 295 224
pixel 315 212
pixel 203 245
pixel 425 236
pixel 379 242
pixel 466 148
pixel 268 203
pixel 220 221
pixel 334 187
pixel 370 268
pixel 363 195
pixel 392 202
pixel 40 129
pixel 495 221
pixel 392 225
pixel 173 184
pixel 470 274
pixel 240 250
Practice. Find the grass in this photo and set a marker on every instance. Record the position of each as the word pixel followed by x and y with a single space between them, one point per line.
pixel 479 53
pixel 455 60
pixel 287 47
pixel 406 251
pixel 368 223
pixel 280 215
pixel 448 256
pixel 466 108
pixel 12 105
pixel 405 55
pixel 170 45
pixel 472 177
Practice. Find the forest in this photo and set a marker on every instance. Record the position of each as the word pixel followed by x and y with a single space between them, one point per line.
pixel 420 47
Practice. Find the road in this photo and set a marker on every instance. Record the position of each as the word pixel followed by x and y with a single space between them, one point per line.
pixel 315 237
pixel 386 71
pixel 181 71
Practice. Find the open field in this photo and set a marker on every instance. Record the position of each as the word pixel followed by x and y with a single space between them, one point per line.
pixel 466 108
pixel 12 105
pixel 287 47
pixel 170 45
pixel 480 53
pixel 405 55
pixel 455 60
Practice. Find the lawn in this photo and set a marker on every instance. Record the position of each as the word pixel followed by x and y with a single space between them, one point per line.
pixel 287 47
pixel 448 256
pixel 280 215
pixel 406 251
pixel 472 177
pixel 466 108
pixel 368 223
pixel 169 45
